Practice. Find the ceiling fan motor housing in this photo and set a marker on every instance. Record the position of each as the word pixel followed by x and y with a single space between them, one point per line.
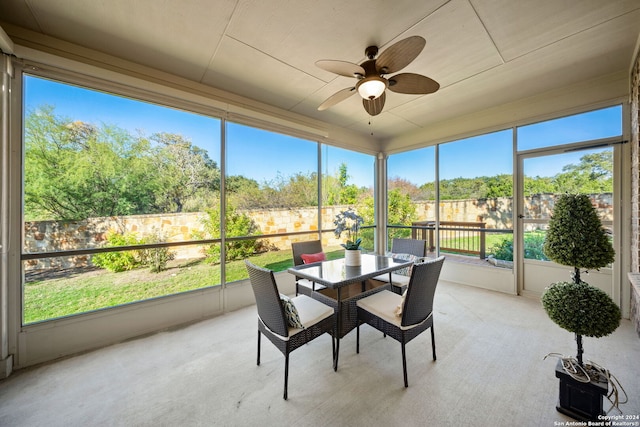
pixel 371 52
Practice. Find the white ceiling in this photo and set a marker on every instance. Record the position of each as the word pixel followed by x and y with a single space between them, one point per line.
pixel 484 53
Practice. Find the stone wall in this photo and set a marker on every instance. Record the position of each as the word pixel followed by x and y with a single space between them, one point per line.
pixel 635 190
pixel 279 221
pixel 46 236
pixel 497 213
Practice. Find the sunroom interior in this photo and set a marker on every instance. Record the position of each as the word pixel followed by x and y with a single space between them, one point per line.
pixel 248 69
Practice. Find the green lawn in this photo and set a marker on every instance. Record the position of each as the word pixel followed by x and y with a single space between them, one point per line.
pixel 491 240
pixel 79 292
pixel 86 291
pixel 533 245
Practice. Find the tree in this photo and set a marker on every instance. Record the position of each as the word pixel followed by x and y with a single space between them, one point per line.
pixel 239 183
pixel 428 191
pixel 348 192
pixel 597 166
pixel 75 170
pixel 576 238
pixel 483 187
pixel 593 174
pixel 499 186
pixel 243 192
pixel 299 190
pixel 186 175
pixel 462 188
pixel 405 186
pixel 337 191
pixel 539 185
pixel 400 211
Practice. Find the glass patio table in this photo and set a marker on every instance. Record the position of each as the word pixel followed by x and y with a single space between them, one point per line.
pixel 341 293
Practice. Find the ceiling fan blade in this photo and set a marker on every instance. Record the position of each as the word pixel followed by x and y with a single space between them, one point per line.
pixel 342 68
pixel 374 106
pixel 339 96
pixel 415 84
pixel 399 55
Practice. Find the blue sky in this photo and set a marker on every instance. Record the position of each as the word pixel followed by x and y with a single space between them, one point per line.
pixel 264 155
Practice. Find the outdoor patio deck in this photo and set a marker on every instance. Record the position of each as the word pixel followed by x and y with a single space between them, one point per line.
pixel 465 259
pixel 490 371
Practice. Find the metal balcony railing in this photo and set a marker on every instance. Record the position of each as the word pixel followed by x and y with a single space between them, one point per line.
pixel 459 237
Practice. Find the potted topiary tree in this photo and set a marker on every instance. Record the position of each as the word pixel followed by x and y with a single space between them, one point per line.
pixel 576 238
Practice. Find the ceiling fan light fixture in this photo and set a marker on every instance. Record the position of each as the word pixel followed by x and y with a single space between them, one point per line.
pixel 371 87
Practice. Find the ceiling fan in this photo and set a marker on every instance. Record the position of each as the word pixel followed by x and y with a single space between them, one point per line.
pixel 371 84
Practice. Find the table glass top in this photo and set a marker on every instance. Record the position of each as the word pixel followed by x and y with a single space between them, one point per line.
pixel 335 272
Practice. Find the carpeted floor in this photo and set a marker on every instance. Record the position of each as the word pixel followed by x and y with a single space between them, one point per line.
pixel 490 372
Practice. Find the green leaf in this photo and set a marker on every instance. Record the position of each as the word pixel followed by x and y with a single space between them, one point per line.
pixel 581 308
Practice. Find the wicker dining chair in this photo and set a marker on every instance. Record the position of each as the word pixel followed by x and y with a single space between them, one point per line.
pixel 416 248
pixel 380 310
pixel 316 317
pixel 304 286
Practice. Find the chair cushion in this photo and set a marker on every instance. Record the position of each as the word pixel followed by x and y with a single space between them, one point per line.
pixel 311 311
pixel 309 258
pixel 396 279
pixel 382 304
pixel 291 312
pixel 309 284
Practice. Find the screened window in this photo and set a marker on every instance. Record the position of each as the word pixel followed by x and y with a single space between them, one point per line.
pixel 104 171
pixel 476 194
pixel 586 169
pixel 474 211
pixel 347 183
pixel 411 193
pixel 271 189
pixel 603 123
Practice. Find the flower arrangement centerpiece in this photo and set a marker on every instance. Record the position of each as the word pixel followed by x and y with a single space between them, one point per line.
pixel 349 221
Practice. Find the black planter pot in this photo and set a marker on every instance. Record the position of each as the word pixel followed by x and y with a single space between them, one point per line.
pixel 581 401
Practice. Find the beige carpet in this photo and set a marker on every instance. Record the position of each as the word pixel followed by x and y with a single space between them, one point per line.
pixel 490 372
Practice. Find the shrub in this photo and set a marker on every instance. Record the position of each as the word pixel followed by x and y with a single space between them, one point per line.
pixel 576 237
pixel 119 261
pixel 533 247
pixel 237 224
pixel 400 211
pixel 156 258
pixel 581 308
pixel 503 250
